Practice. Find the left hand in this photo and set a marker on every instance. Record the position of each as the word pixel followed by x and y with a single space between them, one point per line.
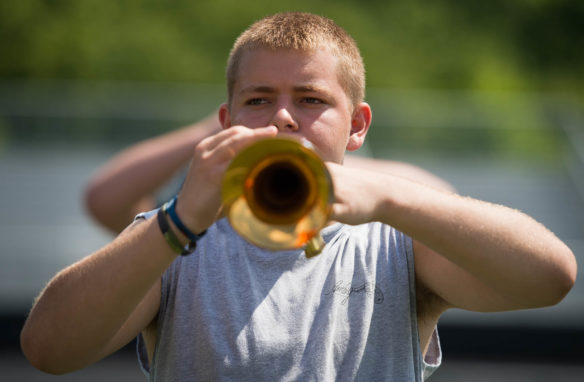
pixel 358 194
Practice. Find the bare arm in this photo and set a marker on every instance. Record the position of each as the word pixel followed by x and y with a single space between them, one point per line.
pixel 124 185
pixel 403 169
pixel 96 306
pixel 473 255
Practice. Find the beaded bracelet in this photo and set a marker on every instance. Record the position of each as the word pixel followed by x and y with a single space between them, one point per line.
pixel 170 209
pixel 171 238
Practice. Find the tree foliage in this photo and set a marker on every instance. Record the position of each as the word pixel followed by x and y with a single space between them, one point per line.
pixel 497 44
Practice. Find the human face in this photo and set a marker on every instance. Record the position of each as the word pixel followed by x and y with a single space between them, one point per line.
pixel 299 92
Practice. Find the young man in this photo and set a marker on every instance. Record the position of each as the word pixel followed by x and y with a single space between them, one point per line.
pixel 398 255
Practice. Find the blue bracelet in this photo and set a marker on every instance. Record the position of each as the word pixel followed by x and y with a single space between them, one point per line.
pixel 169 208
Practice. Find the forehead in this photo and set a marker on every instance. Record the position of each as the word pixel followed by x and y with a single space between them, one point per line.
pixel 287 67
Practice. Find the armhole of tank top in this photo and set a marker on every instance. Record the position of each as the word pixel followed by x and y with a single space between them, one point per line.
pixel 405 242
pixel 164 291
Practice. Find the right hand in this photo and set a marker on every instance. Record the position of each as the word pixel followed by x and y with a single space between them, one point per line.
pixel 199 201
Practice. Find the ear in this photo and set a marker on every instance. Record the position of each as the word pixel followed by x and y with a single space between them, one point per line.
pixel 359 126
pixel 224 116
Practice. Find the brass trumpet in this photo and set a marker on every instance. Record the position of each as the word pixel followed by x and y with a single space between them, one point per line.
pixel 277 194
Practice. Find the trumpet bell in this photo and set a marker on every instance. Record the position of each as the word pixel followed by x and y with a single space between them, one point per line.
pixel 277 194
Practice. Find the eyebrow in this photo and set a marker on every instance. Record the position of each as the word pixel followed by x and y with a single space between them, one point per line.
pixel 268 89
pixel 309 89
pixel 257 89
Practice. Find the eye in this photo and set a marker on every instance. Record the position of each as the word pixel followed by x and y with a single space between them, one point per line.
pixel 256 101
pixel 312 100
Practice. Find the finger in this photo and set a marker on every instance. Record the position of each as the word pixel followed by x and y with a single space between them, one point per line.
pixel 235 133
pixel 213 141
pixel 233 144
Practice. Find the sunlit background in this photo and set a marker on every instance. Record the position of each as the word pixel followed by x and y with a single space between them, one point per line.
pixel 488 95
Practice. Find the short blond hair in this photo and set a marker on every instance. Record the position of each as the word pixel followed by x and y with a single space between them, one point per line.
pixel 303 32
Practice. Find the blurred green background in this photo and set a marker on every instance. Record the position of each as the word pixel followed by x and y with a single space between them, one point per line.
pixel 500 64
pixel 523 45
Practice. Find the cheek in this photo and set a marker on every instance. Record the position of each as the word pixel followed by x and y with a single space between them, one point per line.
pixel 330 146
pixel 249 119
pixel 331 132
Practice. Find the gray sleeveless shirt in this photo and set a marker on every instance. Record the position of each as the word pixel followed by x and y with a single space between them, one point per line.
pixel 234 312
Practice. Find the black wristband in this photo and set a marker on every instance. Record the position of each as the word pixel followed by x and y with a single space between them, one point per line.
pixel 171 238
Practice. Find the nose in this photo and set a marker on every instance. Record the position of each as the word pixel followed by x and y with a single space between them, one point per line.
pixel 284 120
